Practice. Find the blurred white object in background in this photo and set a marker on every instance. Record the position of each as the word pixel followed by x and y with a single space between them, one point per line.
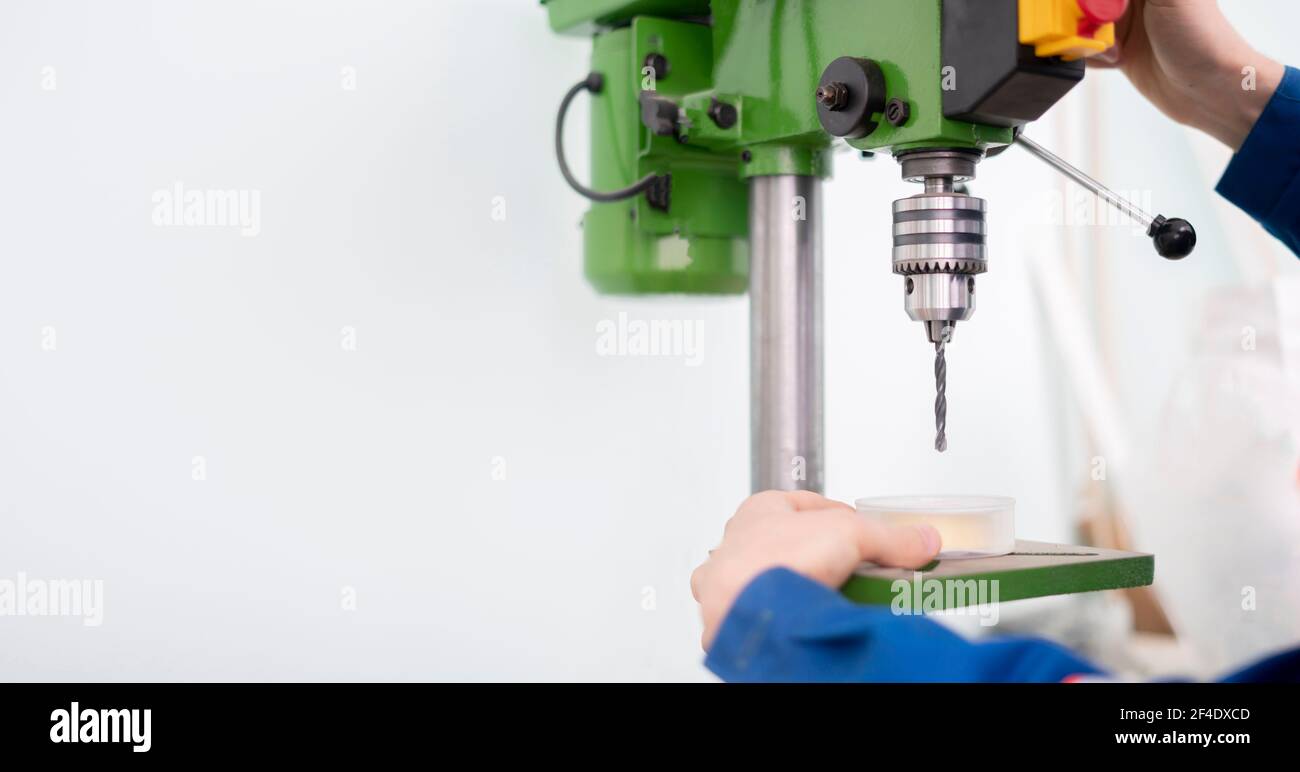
pixel 1220 501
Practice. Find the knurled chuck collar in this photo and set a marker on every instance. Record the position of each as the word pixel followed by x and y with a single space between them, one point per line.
pixel 940 233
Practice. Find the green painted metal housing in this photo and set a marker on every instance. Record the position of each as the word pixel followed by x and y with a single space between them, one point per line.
pixel 699 244
pixel 764 58
pixel 585 17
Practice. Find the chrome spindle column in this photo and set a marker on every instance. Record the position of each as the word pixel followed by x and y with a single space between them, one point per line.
pixel 785 315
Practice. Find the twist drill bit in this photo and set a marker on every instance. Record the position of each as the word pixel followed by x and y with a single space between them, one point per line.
pixel 941 391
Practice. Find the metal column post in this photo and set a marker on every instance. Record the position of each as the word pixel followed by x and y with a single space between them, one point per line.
pixel 785 316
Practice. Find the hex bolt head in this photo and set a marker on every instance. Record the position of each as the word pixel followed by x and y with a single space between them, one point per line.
pixel 833 95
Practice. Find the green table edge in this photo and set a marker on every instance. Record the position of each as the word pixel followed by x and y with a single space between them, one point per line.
pixel 1019 584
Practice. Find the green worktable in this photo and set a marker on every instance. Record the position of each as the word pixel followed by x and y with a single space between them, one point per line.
pixel 1033 570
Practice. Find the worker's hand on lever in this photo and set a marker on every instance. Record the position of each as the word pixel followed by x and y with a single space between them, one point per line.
pixel 807 533
pixel 1186 58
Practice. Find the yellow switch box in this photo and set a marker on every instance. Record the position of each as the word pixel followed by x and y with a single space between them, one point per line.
pixel 1053 27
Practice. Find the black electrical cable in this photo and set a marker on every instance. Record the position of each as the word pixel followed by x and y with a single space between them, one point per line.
pixel 594 82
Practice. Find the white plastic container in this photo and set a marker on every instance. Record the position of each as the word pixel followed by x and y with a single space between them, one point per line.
pixel 971 526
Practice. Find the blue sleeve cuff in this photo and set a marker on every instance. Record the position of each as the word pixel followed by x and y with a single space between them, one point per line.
pixel 785 627
pixel 1263 178
pixel 750 644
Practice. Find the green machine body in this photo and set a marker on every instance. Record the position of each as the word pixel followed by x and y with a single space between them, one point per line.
pixel 707 93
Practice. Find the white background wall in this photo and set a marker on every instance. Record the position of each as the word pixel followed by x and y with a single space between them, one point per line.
pixel 372 469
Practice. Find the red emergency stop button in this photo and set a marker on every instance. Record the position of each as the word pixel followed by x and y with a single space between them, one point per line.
pixel 1097 13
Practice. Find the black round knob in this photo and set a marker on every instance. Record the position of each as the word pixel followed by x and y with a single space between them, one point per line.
pixel 723 114
pixel 1174 239
pixel 851 92
pixel 657 64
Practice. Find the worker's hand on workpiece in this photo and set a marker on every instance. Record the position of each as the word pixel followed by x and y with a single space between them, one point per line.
pixel 805 532
pixel 1185 58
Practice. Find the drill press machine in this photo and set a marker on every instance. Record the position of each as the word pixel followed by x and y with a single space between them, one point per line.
pixel 711 128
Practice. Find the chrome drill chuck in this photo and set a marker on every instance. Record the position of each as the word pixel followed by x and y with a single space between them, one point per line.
pixel 939 247
pixel 939 240
pixel 939 233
